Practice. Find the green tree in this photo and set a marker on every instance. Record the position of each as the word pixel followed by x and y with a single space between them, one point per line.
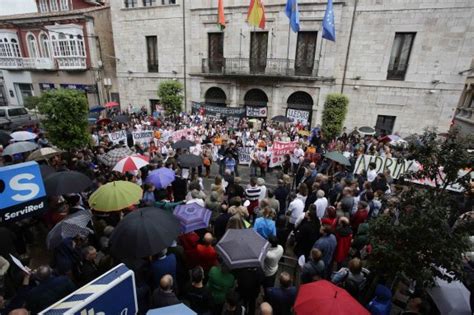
pixel 171 97
pixel 65 118
pixel 31 102
pixel 334 114
pixel 416 234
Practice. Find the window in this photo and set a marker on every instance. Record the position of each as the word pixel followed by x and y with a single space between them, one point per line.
pixel 44 45
pixel 15 48
pixel 216 52
pixel 54 5
pixel 305 52
pixel 400 56
pixel 152 53
pixel 384 125
pixel 2 113
pixel 18 111
pixel 32 46
pixel 43 6
pixel 130 3
pixel 164 2
pixel 149 3
pixel 68 45
pixel 64 5
pixel 258 51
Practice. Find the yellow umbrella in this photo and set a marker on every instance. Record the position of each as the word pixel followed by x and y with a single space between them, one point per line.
pixel 304 133
pixel 115 196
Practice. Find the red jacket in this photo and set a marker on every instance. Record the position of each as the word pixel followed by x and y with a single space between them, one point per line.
pixel 206 256
pixel 358 218
pixel 344 240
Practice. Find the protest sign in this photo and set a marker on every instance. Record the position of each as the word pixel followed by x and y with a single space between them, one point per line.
pixel 258 112
pixel 118 136
pixel 279 150
pixel 244 155
pixel 298 115
pixel 187 133
pixel 397 167
pixel 217 111
pixel 143 137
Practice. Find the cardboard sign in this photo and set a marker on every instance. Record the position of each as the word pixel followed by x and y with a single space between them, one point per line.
pixel 112 293
pixel 279 150
pixel 244 155
pixel 22 192
pixel 397 167
pixel 259 112
pixel 118 136
pixel 298 115
pixel 142 137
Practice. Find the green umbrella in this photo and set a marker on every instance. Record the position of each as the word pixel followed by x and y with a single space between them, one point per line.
pixel 338 157
pixel 115 196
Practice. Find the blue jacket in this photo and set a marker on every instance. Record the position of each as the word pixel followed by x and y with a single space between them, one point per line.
pixel 265 227
pixel 327 245
pixel 161 267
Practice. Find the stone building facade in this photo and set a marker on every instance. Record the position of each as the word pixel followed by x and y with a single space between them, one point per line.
pixel 398 61
pixel 464 118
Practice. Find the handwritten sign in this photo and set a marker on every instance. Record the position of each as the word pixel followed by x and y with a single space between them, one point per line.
pixel 298 115
pixel 279 150
pixel 118 136
pixel 244 155
pixel 142 137
pixel 259 112
pixel 397 167
pixel 187 133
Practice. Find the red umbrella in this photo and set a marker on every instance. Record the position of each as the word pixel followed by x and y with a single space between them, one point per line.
pixel 111 104
pixel 131 163
pixel 103 121
pixel 322 297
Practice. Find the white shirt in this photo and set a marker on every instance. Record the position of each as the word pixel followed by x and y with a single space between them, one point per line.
pixel 371 175
pixel 295 208
pixel 270 265
pixel 263 193
pixel 321 205
pixel 295 157
pixel 198 201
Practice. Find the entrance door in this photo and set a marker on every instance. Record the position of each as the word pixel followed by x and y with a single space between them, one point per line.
pixel 216 52
pixel 258 52
pixel 385 124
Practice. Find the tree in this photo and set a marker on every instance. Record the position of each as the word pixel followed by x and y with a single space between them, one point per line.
pixel 334 114
pixel 66 118
pixel 415 234
pixel 31 102
pixel 171 97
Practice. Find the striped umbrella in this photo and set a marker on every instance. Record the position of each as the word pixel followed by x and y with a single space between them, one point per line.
pixel 131 163
pixel 70 226
pixel 112 157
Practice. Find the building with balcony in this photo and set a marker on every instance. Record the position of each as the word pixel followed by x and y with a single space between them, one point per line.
pixel 464 117
pixel 66 44
pixel 398 62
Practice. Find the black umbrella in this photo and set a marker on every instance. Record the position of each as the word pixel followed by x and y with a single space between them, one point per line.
pixel 121 118
pixel 68 182
pixel 46 170
pixel 4 138
pixel 366 131
pixel 281 118
pixel 144 232
pixel 183 144
pixel 189 160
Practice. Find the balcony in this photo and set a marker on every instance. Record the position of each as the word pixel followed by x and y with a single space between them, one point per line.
pixel 270 68
pixel 61 63
pixel 71 63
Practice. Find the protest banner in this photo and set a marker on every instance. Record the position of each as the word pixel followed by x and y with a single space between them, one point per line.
pixel 258 112
pixel 142 137
pixel 397 167
pixel 118 136
pixel 279 150
pixel 217 111
pixel 244 155
pixel 187 133
pixel 298 115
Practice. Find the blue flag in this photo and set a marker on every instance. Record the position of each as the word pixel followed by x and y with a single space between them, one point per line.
pixel 293 14
pixel 329 29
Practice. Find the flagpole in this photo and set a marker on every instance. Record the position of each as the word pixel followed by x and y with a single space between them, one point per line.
pixel 288 51
pixel 320 54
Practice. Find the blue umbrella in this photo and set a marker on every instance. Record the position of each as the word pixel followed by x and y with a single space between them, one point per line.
pixel 96 109
pixel 192 217
pixel 178 309
pixel 161 177
pixel 91 120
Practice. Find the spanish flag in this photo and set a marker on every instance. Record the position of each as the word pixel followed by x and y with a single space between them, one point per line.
pixel 256 14
pixel 221 16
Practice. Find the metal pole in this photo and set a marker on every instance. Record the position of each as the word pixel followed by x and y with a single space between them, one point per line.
pixel 184 55
pixel 288 50
pixel 349 46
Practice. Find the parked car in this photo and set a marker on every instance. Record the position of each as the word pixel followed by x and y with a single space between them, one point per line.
pixel 13 116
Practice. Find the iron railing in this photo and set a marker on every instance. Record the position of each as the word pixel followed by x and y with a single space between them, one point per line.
pixel 64 63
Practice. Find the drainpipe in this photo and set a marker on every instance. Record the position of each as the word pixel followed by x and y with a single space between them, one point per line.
pixel 184 54
pixel 349 46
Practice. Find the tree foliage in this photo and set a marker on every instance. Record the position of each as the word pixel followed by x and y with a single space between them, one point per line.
pixel 66 118
pixel 334 114
pixel 415 234
pixel 31 102
pixel 171 97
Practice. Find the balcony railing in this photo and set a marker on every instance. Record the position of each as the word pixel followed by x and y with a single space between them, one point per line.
pixel 38 63
pixel 71 63
pixel 64 63
pixel 268 67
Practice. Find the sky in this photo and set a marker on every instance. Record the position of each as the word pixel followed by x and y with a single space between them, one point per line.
pixel 8 7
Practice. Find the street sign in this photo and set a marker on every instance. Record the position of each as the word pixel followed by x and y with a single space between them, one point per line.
pixel 112 293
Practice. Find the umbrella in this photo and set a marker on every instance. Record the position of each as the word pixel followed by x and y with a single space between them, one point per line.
pixel 189 160
pixel 366 131
pixel 322 297
pixel 23 136
pixel 161 178
pixel 242 248
pixel 183 144
pixel 92 120
pixel 115 196
pixel 451 298
pixel 177 309
pixel 338 157
pixel 68 182
pixel 391 138
pixel 96 109
pixel 130 163
pixel 112 157
pixel 103 121
pixel 121 118
pixel 192 217
pixel 46 170
pixel 43 154
pixel 19 147
pixel 281 118
pixel 4 137
pixel 111 104
pixel 70 226
pixel 144 232
pixel 304 133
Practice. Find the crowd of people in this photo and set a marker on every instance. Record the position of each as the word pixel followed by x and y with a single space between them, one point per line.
pixel 314 212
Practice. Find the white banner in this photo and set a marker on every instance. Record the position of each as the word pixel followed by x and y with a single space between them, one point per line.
pixel 397 167
pixel 143 137
pixel 279 150
pixel 244 155
pixel 118 136
pixel 187 133
pixel 254 111
pixel 298 115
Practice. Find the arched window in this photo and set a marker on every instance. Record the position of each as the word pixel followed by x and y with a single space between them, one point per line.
pixel 215 96
pixel 64 5
pixel 53 4
pixel 32 46
pixel 43 6
pixel 256 97
pixel 15 48
pixel 44 45
pixel 300 100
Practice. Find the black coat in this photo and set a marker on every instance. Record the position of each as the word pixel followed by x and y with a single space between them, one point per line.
pixel 180 188
pixel 306 235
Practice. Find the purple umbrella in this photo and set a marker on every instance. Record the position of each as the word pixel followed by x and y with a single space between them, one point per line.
pixel 192 217
pixel 161 177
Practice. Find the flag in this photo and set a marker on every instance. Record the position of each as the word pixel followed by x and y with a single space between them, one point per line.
pixel 221 16
pixel 293 14
pixel 256 14
pixel 329 30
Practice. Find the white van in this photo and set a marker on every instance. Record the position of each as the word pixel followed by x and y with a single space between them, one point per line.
pixel 13 116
